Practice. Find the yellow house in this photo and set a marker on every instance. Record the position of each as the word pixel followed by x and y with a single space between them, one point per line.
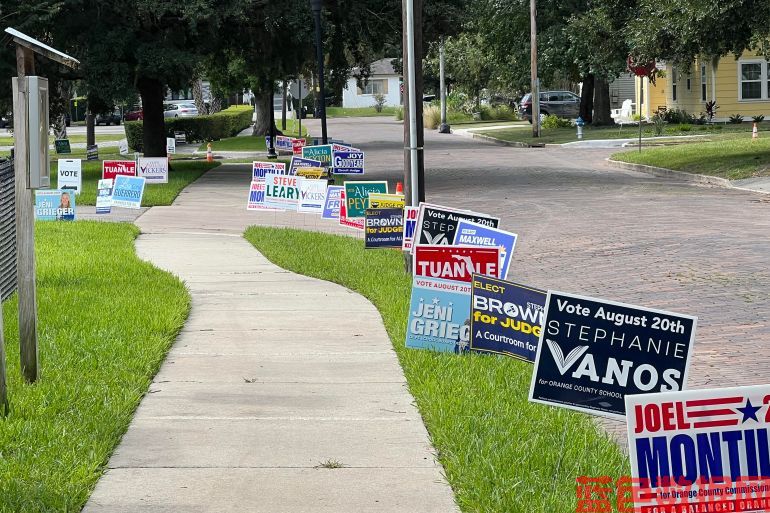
pixel 739 86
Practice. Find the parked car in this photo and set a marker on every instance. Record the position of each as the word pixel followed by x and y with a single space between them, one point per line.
pixel 179 110
pixel 564 104
pixel 108 118
pixel 6 121
pixel 135 114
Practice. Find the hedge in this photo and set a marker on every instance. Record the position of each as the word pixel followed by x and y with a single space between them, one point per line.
pixel 227 123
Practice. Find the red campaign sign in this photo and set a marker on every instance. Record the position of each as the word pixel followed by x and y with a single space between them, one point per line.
pixel 457 263
pixel 113 168
pixel 344 220
pixel 296 146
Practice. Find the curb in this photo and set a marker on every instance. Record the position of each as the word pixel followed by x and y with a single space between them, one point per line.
pixel 513 144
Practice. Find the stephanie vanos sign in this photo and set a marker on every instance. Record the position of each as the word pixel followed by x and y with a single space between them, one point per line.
pixel 54 205
pixel 348 162
pixel 437 224
pixel 594 352
pixel 700 450
pixel 154 169
pixel 128 191
pixel 69 175
pixel 506 318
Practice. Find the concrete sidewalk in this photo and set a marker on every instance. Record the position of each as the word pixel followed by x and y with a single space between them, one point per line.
pixel 275 378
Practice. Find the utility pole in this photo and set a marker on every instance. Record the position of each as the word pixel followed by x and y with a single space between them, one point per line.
pixel 414 166
pixel 444 127
pixel 271 154
pixel 316 5
pixel 535 81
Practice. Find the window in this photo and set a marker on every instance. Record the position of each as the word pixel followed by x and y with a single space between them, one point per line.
pixel 673 83
pixel 375 87
pixel 703 82
pixel 751 80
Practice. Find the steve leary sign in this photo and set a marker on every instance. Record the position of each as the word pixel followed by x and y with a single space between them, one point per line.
pixel 437 224
pixel 348 162
pixel 69 175
pixel 594 352
pixel 456 263
pixel 113 168
pixel 332 202
pixel 410 223
pixel 700 450
pixel 154 169
pixel 506 318
pixel 474 234
pixel 281 191
pixel 357 196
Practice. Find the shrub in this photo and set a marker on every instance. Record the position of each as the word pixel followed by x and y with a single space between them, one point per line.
pixel 399 113
pixel 736 119
pixel 379 102
pixel 505 112
pixel 684 127
pixel 227 123
pixel 554 121
pixel 677 116
pixel 431 117
pixel 658 123
pixel 758 119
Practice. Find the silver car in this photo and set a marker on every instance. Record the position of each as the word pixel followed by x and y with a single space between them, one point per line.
pixel 179 110
pixel 564 104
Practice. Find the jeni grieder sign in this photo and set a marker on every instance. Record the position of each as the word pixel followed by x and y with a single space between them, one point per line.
pixel 593 352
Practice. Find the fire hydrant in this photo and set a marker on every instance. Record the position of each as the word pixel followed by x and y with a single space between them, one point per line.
pixel 579 123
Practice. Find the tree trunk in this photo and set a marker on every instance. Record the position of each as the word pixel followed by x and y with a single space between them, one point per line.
pixel 90 128
pixel 602 103
pixel 587 99
pixel 60 126
pixel 283 106
pixel 197 92
pixel 153 124
pixel 263 103
pixel 216 104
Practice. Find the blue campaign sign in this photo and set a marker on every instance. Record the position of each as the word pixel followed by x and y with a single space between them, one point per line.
pixel 594 352
pixel 469 233
pixel 384 228
pixel 348 162
pixel 332 202
pixel 128 191
pixel 506 318
pixel 54 205
pixel 439 315
pixel 298 162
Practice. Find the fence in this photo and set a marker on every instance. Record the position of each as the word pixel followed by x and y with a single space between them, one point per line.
pixel 7 230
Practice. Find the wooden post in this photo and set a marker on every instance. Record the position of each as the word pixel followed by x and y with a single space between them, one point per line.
pixel 533 72
pixel 3 381
pixel 25 223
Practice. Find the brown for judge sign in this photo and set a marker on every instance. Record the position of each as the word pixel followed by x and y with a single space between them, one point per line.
pixel 594 352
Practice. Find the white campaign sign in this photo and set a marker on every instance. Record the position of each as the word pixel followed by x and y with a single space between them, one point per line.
pixel 312 194
pixel 123 146
pixel 153 169
pixel 170 145
pixel 70 175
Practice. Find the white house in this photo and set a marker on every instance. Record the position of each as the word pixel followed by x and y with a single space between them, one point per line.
pixel 383 80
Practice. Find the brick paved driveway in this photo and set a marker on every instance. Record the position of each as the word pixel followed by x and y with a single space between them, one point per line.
pixel 589 229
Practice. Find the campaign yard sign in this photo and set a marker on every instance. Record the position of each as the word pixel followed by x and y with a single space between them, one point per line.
pixel 123 146
pixel 473 234
pixel 344 220
pixel 594 352
pixel 348 162
pixel 410 223
pixel 455 262
pixel 506 318
pixel 296 146
pixel 439 317
pixel 700 450
pixel 357 196
pixel 171 145
pixel 112 168
pixel 437 224
pixel 312 194
pixel 298 162
pixel 377 200
pixel 281 191
pixel 92 152
pixel 332 201
pixel 260 169
pixel 321 152
pixel 154 169
pixel 69 175
pixel 128 191
pixel 54 205
pixel 104 196
pixel 384 228
pixel 312 172
pixel 62 146
pixel 284 143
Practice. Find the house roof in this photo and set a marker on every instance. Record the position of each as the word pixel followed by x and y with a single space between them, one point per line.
pixel 380 67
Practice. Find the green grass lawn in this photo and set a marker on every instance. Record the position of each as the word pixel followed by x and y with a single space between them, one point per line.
pixel 350 112
pixel 566 135
pixel 501 453
pixel 7 139
pixel 181 174
pixel 106 321
pixel 732 158
pixel 253 143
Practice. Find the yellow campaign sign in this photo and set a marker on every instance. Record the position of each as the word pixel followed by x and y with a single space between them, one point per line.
pixel 311 172
pixel 379 200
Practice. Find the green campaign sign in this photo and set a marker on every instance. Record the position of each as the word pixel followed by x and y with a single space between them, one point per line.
pixel 357 196
pixel 322 152
pixel 62 146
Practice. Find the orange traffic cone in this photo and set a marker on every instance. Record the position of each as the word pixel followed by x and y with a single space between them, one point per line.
pixel 399 188
pixel 209 155
pixel 755 132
